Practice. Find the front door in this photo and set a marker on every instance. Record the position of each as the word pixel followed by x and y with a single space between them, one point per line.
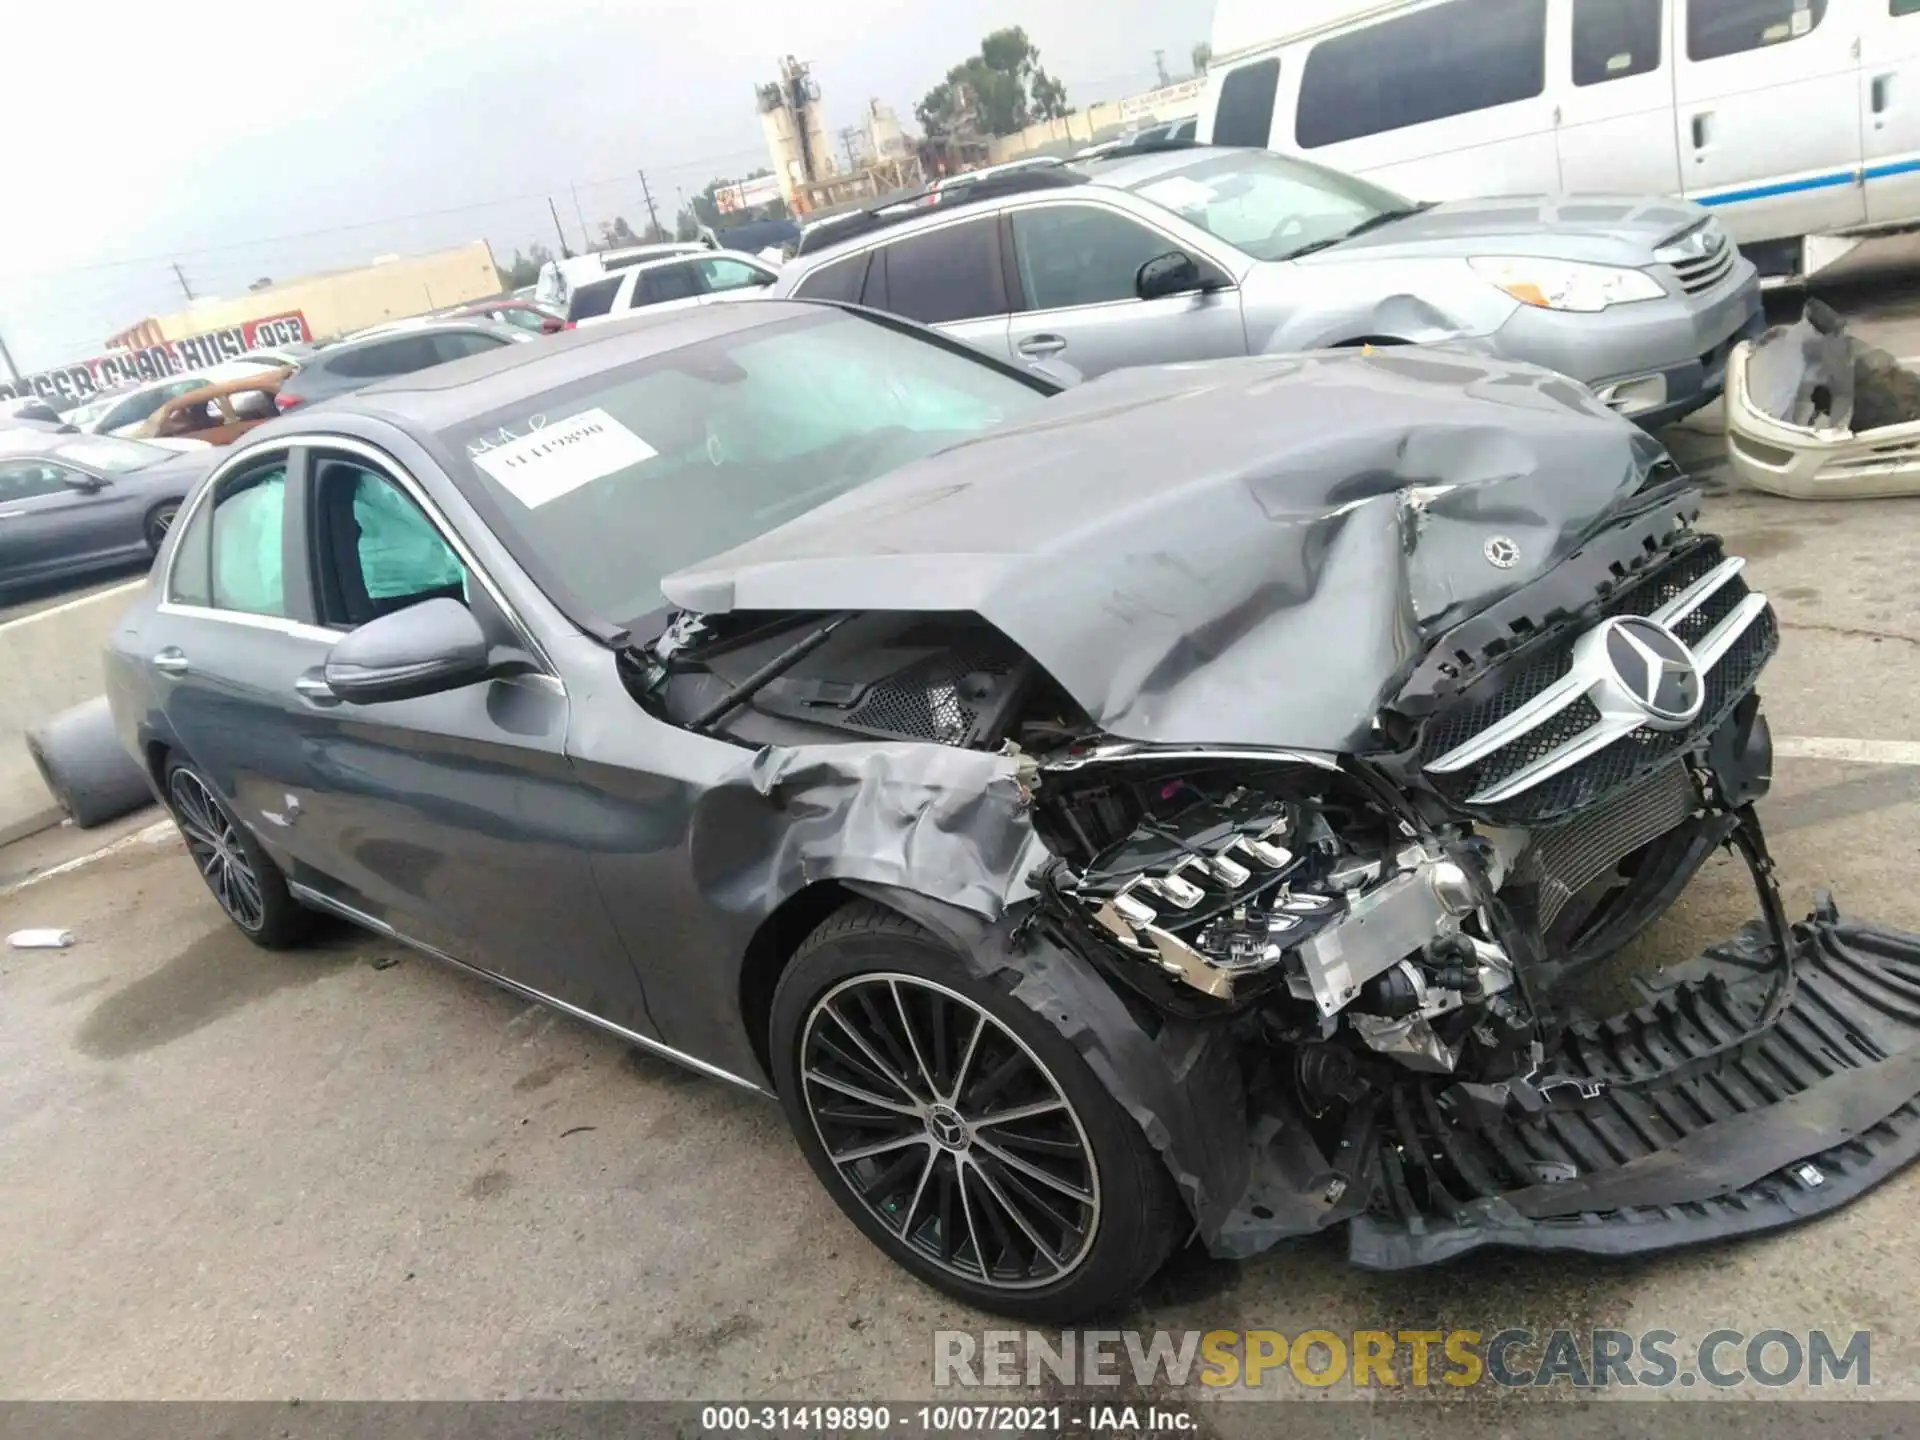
pixel 1614 75
pixel 1768 114
pixel 1078 263
pixel 1890 108
pixel 456 817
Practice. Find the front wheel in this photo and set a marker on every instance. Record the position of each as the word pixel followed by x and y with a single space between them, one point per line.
pixel 959 1130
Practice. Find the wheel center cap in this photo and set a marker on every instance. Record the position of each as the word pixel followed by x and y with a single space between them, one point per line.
pixel 946 1127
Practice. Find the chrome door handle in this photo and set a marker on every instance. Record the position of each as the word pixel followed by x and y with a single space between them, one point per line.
pixel 171 661
pixel 315 688
pixel 1042 345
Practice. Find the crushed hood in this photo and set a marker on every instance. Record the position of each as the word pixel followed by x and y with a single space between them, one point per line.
pixel 1246 552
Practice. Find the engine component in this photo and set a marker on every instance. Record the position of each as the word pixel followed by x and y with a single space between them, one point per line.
pixel 1382 927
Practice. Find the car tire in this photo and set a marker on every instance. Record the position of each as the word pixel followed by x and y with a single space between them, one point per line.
pixel 87 769
pixel 159 520
pixel 244 880
pixel 944 1189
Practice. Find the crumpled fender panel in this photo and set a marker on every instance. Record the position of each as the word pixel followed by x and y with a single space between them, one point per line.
pixel 1798 1121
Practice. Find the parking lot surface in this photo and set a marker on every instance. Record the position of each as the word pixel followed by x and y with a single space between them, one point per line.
pixel 349 1172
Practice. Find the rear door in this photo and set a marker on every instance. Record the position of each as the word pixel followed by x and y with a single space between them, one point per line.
pixel 1890 103
pixel 1768 113
pixel 1077 263
pixel 1614 71
pixel 950 276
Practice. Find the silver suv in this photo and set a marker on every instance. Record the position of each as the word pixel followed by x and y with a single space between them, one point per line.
pixel 1198 252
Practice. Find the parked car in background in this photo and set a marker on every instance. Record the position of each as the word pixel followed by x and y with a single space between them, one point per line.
pixel 125 411
pixel 679 280
pixel 524 314
pixel 1198 252
pixel 74 503
pixel 772 240
pixel 217 414
pixel 350 364
pixel 559 277
pixel 1170 130
pixel 1794 120
pixel 30 412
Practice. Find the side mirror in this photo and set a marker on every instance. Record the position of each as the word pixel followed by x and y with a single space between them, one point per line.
pixel 1174 273
pixel 86 484
pixel 424 649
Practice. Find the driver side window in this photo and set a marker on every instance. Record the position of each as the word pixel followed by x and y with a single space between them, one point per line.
pixel 1081 254
pixel 375 550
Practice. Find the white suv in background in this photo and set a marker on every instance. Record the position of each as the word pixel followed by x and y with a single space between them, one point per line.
pixel 672 282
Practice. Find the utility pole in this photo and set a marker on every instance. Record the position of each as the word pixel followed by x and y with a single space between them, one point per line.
pixel 185 289
pixel 6 359
pixel 586 235
pixel 653 219
pixel 554 211
pixel 1160 68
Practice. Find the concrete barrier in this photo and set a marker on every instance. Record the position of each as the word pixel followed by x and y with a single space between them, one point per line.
pixel 49 660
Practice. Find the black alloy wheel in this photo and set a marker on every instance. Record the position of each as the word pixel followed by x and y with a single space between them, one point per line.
pixel 950 1131
pixel 959 1129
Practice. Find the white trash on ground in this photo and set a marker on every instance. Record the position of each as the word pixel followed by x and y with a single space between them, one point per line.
pixel 40 939
pixel 1815 413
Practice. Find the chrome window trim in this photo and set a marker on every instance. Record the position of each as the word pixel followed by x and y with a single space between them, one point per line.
pixel 298 629
pixel 311 896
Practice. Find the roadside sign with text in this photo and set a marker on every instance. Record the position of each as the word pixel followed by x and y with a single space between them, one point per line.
pixel 154 362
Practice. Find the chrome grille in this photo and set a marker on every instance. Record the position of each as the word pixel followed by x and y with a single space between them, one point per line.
pixel 1542 738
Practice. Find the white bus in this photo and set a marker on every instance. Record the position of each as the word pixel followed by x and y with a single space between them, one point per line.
pixel 1797 121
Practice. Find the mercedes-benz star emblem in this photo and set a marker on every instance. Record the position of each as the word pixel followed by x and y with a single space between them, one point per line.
pixel 1501 551
pixel 1655 669
pixel 947 1128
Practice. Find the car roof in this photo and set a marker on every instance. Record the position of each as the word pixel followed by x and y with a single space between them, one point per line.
pixel 1129 171
pixel 443 396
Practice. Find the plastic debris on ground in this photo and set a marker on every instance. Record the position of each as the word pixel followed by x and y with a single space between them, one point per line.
pixel 1814 412
pixel 40 939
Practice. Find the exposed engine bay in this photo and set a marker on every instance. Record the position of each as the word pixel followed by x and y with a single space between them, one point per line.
pixel 1379 943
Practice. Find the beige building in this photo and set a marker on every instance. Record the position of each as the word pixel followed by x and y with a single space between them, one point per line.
pixel 339 301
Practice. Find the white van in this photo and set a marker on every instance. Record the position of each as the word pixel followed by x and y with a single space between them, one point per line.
pixel 1795 120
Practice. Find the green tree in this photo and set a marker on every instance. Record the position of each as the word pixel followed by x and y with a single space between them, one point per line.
pixel 525 269
pixel 1001 90
pixel 1202 57
pixel 616 233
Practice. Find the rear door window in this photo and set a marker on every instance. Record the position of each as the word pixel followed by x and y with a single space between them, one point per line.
pixel 593 300
pixel 945 275
pixel 664 283
pixel 1613 39
pixel 1245 113
pixel 1448 60
pixel 842 280
pixel 248 543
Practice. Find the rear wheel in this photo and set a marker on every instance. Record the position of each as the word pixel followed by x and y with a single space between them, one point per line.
pixel 959 1130
pixel 159 521
pixel 241 875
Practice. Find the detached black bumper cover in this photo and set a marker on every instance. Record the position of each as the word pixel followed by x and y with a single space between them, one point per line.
pixel 1800 1120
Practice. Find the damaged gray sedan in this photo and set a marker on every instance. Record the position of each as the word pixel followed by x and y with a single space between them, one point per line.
pixel 1179 805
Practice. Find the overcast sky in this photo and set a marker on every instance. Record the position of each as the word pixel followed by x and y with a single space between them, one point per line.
pixel 276 140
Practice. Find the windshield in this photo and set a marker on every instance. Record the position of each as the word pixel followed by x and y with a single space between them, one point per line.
pixel 1270 206
pixel 82 417
pixel 617 481
pixel 110 455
